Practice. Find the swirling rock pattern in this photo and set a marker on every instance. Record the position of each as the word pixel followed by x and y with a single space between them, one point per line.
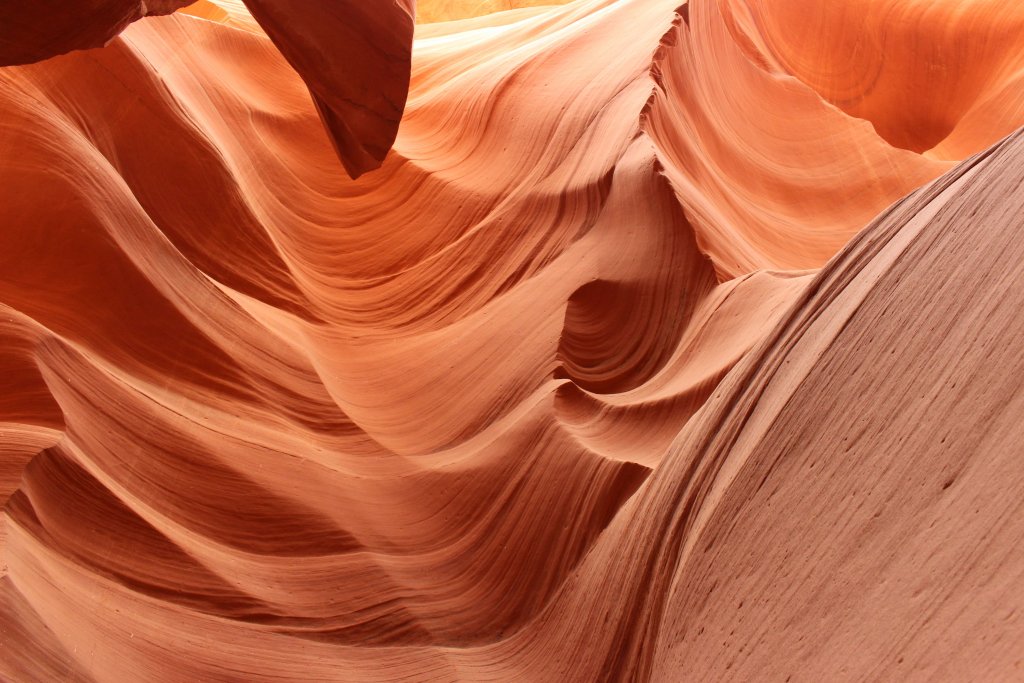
pixel 661 346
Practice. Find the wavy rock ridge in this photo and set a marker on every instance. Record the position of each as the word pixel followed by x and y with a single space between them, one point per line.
pixel 665 343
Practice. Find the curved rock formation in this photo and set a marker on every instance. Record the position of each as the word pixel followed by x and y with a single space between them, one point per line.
pixel 34 30
pixel 644 355
pixel 355 57
pixel 944 77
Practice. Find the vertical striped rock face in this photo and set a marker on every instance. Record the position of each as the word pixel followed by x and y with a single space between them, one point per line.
pixel 611 340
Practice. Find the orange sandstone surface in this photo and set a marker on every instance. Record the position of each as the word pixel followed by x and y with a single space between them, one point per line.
pixel 610 340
